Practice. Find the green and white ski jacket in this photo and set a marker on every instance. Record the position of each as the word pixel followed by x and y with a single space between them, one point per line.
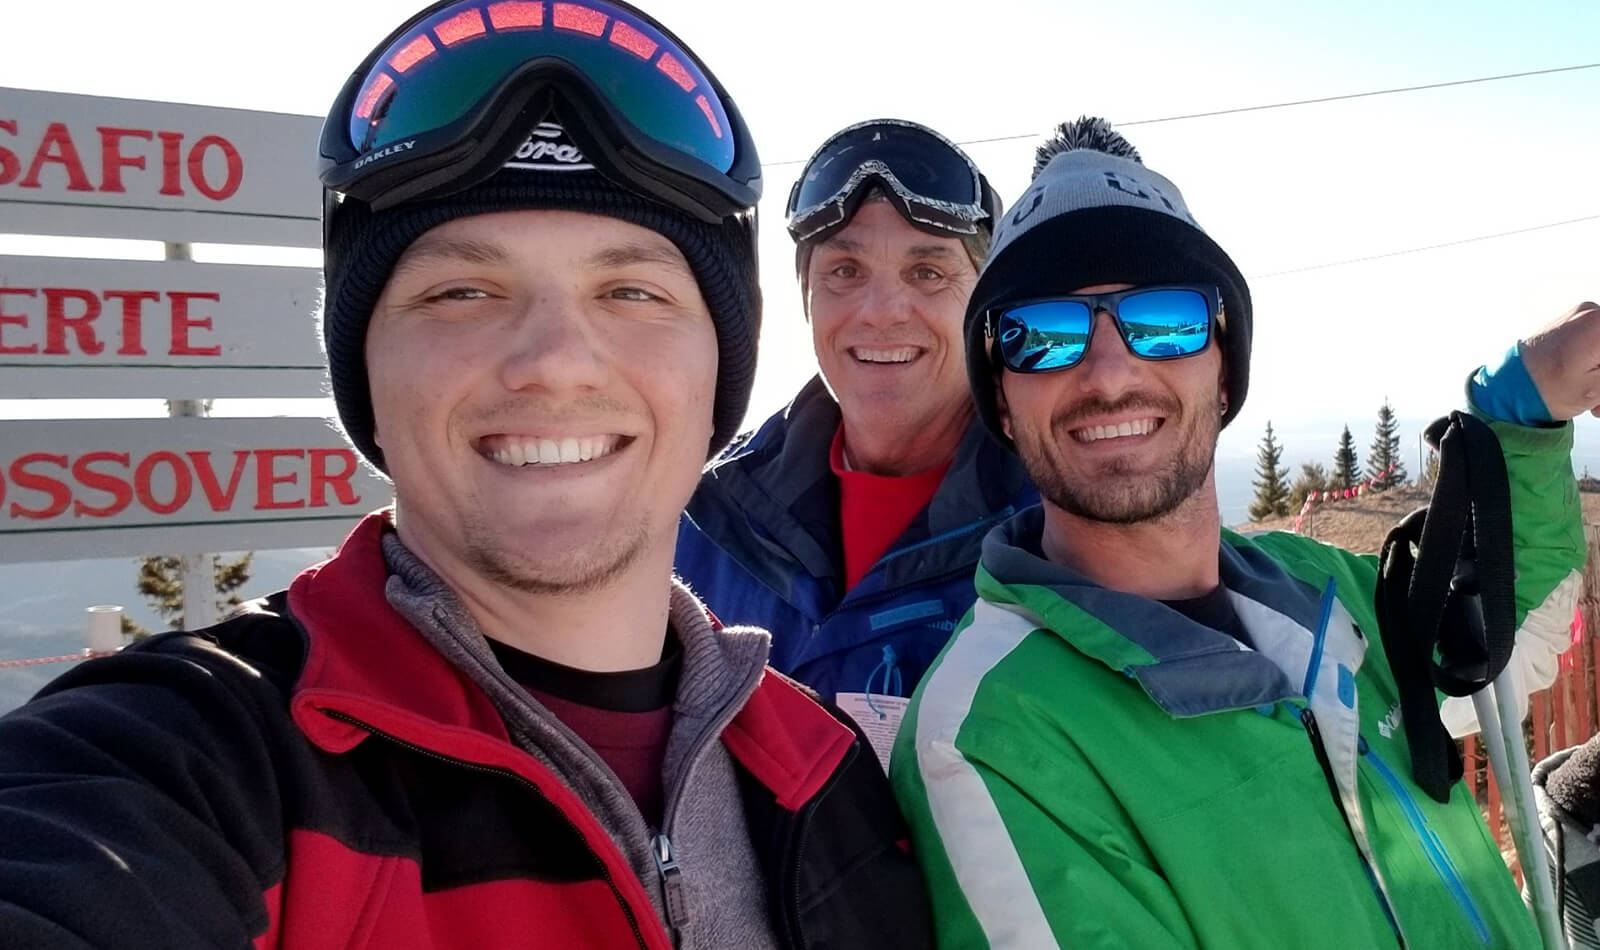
pixel 1087 768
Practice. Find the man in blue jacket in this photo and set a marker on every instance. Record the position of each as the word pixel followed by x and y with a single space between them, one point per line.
pixel 849 524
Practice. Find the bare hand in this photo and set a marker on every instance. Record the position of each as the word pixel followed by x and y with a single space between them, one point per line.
pixel 1564 361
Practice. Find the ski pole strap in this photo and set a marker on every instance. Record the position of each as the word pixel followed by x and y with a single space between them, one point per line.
pixel 1445 595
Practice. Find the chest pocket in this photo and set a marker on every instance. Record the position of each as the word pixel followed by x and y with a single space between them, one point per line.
pixel 892 651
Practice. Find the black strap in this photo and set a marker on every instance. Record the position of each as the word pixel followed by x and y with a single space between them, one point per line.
pixel 1445 595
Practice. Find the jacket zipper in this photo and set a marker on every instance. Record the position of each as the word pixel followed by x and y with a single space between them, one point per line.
pixel 668 872
pixel 1309 720
pixel 622 902
pixel 888 595
pixel 969 527
pixel 671 885
pixel 1442 865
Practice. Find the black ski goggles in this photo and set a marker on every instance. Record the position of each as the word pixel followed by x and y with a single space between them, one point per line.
pixel 931 181
pixel 449 97
pixel 1046 334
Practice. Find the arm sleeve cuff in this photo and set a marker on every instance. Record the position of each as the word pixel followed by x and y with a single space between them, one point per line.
pixel 1506 393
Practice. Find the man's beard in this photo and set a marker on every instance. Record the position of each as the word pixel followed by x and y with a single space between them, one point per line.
pixel 580 572
pixel 1114 493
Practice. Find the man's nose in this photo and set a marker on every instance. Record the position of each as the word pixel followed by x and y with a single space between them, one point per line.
pixel 553 346
pixel 887 301
pixel 1108 367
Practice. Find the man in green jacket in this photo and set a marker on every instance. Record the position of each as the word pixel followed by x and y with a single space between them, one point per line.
pixel 1151 732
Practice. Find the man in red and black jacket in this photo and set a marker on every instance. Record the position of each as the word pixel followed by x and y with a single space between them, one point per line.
pixel 493 719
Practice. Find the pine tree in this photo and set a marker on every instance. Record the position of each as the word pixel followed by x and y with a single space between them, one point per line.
pixel 1384 466
pixel 1272 491
pixel 161 582
pixel 1313 478
pixel 1346 463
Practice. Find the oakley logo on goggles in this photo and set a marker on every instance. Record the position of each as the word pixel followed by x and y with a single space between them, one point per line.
pixel 931 181
pixel 450 96
pixel 1045 334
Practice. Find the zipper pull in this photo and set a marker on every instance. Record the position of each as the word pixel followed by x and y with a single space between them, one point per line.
pixel 671 886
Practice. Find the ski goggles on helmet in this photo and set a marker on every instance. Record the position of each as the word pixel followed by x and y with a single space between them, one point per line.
pixel 931 181
pixel 450 96
pixel 1046 334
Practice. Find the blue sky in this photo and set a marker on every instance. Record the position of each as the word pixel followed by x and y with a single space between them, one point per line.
pixel 1281 190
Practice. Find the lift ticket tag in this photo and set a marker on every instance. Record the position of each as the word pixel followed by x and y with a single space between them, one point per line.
pixel 878 716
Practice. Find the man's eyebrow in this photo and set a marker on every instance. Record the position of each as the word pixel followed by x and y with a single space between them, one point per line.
pixel 622 255
pixel 428 249
pixel 919 251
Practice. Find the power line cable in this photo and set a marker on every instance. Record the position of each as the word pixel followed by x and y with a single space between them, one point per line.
pixel 1270 105
pixel 1427 247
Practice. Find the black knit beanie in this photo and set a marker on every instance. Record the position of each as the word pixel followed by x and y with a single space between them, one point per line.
pixel 362 247
pixel 1095 214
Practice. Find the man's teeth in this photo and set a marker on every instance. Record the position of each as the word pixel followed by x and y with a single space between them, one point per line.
pixel 1120 430
pixel 552 451
pixel 901 354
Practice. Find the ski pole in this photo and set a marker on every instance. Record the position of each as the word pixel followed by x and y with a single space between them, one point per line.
pixel 1501 725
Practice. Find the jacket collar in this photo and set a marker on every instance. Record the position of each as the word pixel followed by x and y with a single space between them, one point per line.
pixel 365 661
pixel 779 479
pixel 1185 667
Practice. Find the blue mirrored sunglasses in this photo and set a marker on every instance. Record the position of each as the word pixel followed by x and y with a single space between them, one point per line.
pixel 1045 334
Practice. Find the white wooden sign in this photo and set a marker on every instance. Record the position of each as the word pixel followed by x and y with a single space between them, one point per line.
pixel 100 167
pixel 130 487
pixel 73 329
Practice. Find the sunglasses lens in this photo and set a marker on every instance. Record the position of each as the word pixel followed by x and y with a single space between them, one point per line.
pixel 1166 323
pixel 1039 337
pixel 443 67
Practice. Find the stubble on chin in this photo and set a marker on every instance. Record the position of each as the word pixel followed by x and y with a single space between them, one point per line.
pixel 1115 492
pixel 572 572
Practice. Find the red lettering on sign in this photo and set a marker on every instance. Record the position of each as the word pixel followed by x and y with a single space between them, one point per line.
pixel 57 147
pixel 267 479
pixel 106 484
pixel 112 161
pixel 14 319
pixel 321 477
pixel 171 162
pixel 9 165
pixel 57 323
pixel 213 164
pixel 181 324
pixel 197 167
pixel 60 495
pixel 119 490
pixel 68 323
pixel 181 482
pixel 133 302
pixel 218 498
